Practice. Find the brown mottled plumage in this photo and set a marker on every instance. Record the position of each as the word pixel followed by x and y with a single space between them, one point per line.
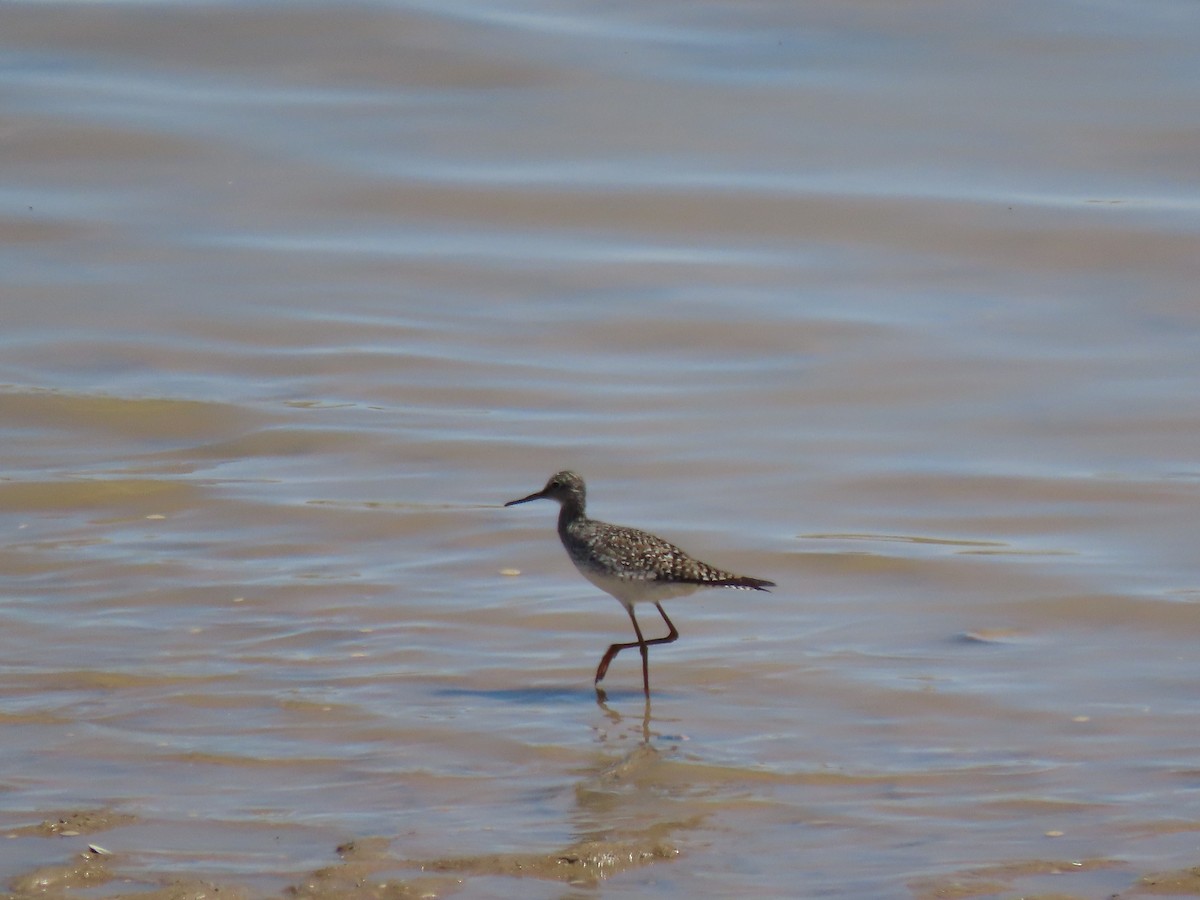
pixel 632 565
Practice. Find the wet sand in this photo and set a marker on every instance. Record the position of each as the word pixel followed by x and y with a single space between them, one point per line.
pixel 895 307
pixel 369 867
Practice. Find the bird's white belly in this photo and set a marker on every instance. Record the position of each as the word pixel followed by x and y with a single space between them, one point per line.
pixel 631 590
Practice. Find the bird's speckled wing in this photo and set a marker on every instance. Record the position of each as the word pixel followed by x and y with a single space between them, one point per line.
pixel 630 554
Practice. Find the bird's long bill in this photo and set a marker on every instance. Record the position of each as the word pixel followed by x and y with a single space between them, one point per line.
pixel 535 496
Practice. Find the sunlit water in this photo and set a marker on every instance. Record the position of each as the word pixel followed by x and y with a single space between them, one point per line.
pixel 893 305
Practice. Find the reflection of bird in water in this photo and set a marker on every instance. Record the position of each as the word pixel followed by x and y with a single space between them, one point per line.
pixel 633 566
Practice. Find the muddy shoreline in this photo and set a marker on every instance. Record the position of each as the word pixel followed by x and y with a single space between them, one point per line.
pixel 370 867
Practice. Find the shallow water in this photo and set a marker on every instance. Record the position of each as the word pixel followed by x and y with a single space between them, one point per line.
pixel 893 306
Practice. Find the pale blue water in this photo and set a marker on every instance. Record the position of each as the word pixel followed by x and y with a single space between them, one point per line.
pixel 895 306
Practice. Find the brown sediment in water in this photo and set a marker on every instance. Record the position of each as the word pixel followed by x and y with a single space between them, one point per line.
pixel 365 868
pixel 585 862
pixel 68 824
pixel 85 870
pixel 362 862
pixel 1185 882
pixel 368 868
pixel 988 881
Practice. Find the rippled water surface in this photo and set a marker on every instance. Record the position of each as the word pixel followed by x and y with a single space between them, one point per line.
pixel 894 305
